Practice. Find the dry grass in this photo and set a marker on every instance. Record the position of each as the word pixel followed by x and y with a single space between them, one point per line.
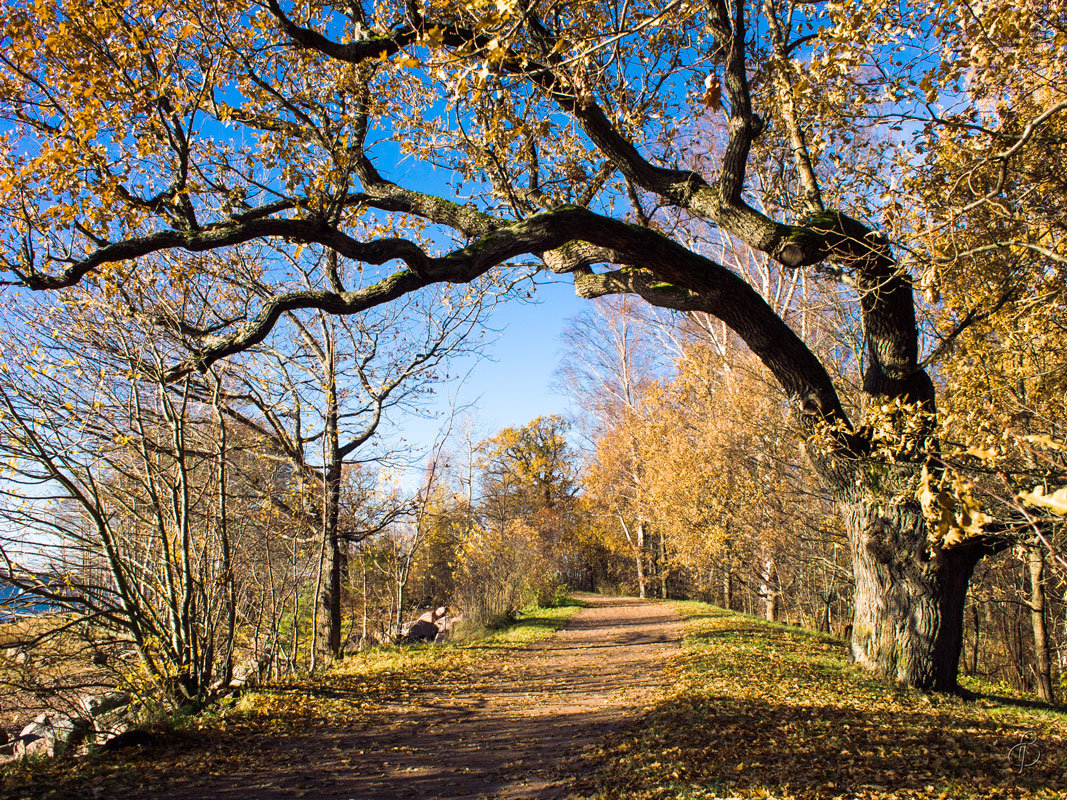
pixel 46 663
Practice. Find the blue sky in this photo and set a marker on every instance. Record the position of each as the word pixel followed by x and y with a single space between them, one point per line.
pixel 512 384
pixel 514 387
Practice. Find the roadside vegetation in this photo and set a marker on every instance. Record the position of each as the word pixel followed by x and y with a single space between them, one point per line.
pixel 250 249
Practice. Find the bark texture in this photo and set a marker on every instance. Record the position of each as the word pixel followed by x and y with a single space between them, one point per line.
pixel 909 602
pixel 1042 655
pixel 639 558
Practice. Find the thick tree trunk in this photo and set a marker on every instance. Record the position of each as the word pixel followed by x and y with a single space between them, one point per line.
pixel 333 570
pixel 771 607
pixel 728 589
pixel 908 619
pixel 1042 656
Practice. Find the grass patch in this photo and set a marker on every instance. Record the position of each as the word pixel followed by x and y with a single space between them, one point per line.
pixel 394 674
pixel 533 624
pixel 755 710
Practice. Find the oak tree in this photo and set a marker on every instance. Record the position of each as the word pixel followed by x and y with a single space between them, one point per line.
pixel 453 139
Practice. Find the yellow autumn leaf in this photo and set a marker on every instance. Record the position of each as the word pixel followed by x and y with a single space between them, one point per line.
pixel 982 453
pixel 1044 440
pixel 1055 502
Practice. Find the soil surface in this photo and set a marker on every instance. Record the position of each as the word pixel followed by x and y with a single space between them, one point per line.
pixel 517 734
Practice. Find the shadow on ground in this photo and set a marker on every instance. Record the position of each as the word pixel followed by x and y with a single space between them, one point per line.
pixel 507 723
pixel 763 710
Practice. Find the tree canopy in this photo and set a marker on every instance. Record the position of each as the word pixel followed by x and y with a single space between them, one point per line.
pixel 637 147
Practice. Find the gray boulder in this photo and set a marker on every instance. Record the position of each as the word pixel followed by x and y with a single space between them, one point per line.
pixel 51 734
pixel 112 724
pixel 96 705
pixel 244 673
pixel 425 628
pixel 111 714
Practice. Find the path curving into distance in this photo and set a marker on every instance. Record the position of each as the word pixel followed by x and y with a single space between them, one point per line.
pixel 525 720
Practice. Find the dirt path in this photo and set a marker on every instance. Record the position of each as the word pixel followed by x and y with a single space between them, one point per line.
pixel 511 737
